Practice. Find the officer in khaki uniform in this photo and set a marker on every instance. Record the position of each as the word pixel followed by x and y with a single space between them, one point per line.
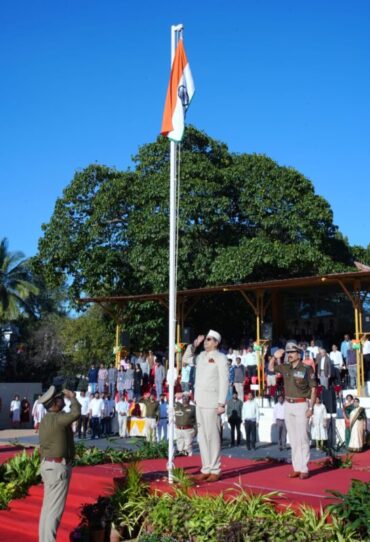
pixel 300 395
pixel 211 387
pixel 185 421
pixel 57 452
pixel 151 417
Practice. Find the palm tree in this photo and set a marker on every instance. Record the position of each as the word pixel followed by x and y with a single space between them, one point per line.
pixel 16 283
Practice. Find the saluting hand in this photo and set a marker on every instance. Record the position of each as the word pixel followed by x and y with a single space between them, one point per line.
pixel 69 394
pixel 279 353
pixel 198 341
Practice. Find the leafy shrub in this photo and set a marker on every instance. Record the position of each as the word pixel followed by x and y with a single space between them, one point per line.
pixel 94 456
pixel 156 538
pixel 17 475
pixel 129 502
pixel 354 507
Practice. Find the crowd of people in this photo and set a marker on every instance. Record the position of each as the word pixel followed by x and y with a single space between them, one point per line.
pixel 111 396
pixel 213 388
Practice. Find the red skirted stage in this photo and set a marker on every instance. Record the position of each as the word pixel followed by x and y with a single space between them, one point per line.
pixel 20 523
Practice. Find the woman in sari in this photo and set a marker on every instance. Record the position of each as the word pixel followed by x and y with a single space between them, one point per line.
pixel 347 409
pixel 357 421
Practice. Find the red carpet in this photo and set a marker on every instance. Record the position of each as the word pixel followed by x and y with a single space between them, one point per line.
pixel 20 523
pixel 263 477
pixel 8 451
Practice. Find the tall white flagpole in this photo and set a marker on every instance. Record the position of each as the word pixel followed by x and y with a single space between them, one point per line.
pixel 175 30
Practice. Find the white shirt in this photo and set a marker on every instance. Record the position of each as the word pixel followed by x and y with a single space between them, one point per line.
pixel 15 405
pixel 185 374
pixel 313 350
pixel 232 356
pixel 175 376
pixel 84 402
pixel 336 358
pixel 366 347
pixel 38 412
pixel 279 411
pixel 122 407
pixel 249 359
pixel 96 407
pixel 67 405
pixel 250 411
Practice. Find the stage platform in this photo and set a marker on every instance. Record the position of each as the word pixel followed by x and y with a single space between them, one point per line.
pixel 20 522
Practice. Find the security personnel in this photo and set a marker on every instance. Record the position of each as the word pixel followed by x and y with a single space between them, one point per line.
pixel 185 422
pixel 151 417
pixel 57 452
pixel 300 395
pixel 211 387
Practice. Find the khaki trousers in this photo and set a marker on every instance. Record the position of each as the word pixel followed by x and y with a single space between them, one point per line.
pixel 184 440
pixel 209 438
pixel 56 478
pixel 296 423
pixel 239 388
pixel 151 429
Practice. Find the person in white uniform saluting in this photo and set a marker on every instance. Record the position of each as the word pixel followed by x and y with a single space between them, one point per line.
pixel 211 387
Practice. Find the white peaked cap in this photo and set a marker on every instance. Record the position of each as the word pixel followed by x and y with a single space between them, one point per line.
pixel 214 335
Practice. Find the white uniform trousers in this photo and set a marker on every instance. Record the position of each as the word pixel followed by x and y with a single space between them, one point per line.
pixel 296 423
pixel 122 425
pixel 184 440
pixel 209 438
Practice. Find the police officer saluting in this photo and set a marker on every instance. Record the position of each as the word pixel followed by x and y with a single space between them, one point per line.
pixel 300 395
pixel 57 452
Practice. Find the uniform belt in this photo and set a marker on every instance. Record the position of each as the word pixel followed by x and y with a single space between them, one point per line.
pixel 296 399
pixel 55 459
pixel 185 426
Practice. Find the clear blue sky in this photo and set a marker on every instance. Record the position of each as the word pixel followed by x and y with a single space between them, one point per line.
pixel 85 81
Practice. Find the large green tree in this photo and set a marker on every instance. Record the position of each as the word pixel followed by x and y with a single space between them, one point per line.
pixel 242 217
pixel 16 283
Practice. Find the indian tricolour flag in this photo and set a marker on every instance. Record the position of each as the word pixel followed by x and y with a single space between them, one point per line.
pixel 179 94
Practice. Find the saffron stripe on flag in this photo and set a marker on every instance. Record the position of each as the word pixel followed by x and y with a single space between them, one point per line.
pixel 179 94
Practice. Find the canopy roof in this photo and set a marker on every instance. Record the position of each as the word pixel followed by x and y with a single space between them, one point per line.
pixel 354 279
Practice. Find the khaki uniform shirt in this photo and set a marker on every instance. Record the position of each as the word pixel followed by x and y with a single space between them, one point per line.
pixel 211 377
pixel 55 433
pixel 184 415
pixel 151 408
pixel 298 381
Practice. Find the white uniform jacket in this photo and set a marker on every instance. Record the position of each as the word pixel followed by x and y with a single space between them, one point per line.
pixel 211 377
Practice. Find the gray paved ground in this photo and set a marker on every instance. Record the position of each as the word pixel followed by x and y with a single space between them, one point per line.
pixel 27 437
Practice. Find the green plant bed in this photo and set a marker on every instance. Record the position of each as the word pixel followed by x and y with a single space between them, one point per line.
pixel 184 516
pixel 353 508
pixel 94 456
pixel 17 475
pixel 23 470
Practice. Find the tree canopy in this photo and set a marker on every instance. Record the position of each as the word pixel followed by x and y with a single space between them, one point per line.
pixel 242 217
